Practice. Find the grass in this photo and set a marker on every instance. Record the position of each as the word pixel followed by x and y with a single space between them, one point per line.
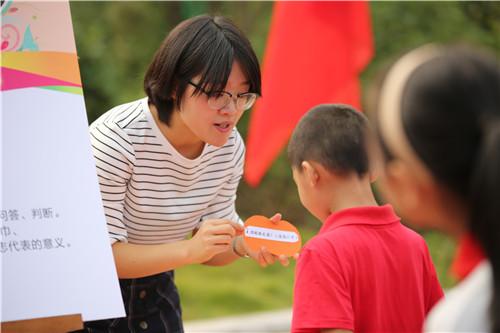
pixel 244 287
pixel 442 249
pixel 238 288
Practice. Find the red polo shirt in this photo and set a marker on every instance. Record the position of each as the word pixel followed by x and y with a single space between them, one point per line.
pixel 364 272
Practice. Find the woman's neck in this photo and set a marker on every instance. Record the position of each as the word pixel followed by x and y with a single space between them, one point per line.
pixel 178 134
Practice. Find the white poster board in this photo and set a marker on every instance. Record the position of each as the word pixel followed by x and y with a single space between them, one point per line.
pixel 56 254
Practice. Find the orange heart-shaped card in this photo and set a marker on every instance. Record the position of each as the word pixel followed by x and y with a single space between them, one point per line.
pixel 279 238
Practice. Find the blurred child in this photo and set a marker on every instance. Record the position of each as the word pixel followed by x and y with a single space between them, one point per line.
pixel 364 271
pixel 438 119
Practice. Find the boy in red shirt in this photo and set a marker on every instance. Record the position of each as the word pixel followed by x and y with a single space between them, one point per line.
pixel 364 271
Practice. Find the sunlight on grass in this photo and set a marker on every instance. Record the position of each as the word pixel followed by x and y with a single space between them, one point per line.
pixel 238 288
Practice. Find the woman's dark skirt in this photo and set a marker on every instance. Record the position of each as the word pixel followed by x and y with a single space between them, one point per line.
pixel 152 305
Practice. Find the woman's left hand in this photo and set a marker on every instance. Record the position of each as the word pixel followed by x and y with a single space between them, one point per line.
pixel 264 257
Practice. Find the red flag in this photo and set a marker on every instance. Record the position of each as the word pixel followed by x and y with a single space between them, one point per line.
pixel 315 52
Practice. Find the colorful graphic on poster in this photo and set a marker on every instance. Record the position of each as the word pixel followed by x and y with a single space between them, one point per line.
pixel 33 53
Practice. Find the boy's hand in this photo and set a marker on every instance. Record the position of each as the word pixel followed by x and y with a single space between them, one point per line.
pixel 264 257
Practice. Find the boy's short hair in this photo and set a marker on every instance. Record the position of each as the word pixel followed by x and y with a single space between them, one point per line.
pixel 205 46
pixel 332 135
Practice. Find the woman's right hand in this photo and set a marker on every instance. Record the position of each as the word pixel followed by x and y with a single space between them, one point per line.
pixel 213 237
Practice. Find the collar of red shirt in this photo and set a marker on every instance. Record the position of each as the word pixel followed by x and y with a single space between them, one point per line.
pixel 367 215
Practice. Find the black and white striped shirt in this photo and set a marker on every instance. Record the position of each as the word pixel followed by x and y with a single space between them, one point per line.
pixel 150 192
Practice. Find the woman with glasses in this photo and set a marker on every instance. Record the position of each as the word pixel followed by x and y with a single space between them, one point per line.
pixel 169 166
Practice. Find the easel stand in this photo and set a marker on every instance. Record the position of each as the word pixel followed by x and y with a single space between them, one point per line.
pixel 58 324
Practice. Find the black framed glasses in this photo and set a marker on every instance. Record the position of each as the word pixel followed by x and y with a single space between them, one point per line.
pixel 221 99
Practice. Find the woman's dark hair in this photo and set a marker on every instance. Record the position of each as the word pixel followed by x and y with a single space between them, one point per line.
pixel 205 46
pixel 334 135
pixel 450 111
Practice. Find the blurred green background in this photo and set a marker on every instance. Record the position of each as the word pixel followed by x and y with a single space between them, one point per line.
pixel 115 43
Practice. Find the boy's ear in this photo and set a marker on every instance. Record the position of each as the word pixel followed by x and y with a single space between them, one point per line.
pixel 310 172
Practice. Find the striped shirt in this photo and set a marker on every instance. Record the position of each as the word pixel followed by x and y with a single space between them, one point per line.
pixel 150 192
